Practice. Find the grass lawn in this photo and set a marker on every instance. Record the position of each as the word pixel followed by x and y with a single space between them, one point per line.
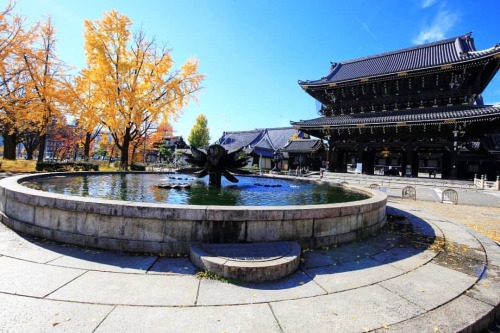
pixel 18 166
pixel 30 165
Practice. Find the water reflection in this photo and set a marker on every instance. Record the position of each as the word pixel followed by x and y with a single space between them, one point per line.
pixel 250 191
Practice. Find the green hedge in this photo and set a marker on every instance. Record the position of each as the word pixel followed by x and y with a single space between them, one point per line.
pixel 66 166
pixel 137 167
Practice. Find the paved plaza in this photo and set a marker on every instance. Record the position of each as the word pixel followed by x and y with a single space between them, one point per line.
pixel 427 274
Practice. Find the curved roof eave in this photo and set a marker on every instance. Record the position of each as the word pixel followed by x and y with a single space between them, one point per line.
pixel 423 116
pixel 321 82
pixel 471 53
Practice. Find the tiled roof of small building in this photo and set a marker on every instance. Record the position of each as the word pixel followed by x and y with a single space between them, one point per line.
pixel 280 136
pixel 268 139
pixel 235 140
pixel 445 52
pixel 302 146
pixel 463 112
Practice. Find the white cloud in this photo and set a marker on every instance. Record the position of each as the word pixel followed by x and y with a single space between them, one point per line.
pixel 428 3
pixel 441 24
pixel 367 29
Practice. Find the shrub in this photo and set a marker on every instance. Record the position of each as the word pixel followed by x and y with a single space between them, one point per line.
pixel 137 167
pixel 50 166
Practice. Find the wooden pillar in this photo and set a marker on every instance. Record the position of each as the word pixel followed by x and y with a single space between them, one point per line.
pixel 359 154
pixel 446 164
pixel 453 165
pixel 339 161
pixel 415 163
pixel 454 156
pixel 331 157
pixel 410 161
pixel 368 161
pixel 405 160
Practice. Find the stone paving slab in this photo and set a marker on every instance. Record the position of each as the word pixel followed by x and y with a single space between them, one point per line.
pixel 25 314
pixel 446 277
pixel 422 222
pixel 459 235
pixel 311 259
pixel 430 286
pixel 32 279
pixel 406 258
pixel 106 261
pixel 172 266
pixel 26 250
pixel 355 310
pixel 12 244
pixel 488 288
pixel 493 251
pixel 362 249
pixel 352 275
pixel 132 289
pixel 241 318
pixel 438 320
pixel 297 285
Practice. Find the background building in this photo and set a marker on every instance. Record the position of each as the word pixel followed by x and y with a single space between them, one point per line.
pixel 261 144
pixel 411 111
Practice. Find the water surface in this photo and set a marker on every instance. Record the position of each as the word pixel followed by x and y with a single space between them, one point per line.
pixel 249 191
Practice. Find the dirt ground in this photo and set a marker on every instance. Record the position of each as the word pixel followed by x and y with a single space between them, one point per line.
pixel 486 220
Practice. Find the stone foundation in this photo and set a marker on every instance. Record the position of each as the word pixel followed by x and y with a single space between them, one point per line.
pixel 172 229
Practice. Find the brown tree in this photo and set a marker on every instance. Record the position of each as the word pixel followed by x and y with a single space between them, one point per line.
pixel 45 81
pixel 13 95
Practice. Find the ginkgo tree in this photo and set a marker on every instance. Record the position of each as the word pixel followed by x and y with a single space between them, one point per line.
pixel 200 134
pixel 46 75
pixel 84 108
pixel 13 96
pixel 133 80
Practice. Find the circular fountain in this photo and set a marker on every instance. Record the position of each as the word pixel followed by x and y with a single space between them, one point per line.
pixel 172 228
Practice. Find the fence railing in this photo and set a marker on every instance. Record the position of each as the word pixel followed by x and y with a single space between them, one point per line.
pixel 482 183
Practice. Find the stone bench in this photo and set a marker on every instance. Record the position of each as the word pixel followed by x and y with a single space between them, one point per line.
pixel 248 262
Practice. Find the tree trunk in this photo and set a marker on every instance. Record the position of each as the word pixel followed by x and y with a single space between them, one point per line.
pixel 30 142
pixel 86 145
pixel 41 150
pixel 9 143
pixel 111 155
pixel 29 151
pixel 124 150
pixel 134 148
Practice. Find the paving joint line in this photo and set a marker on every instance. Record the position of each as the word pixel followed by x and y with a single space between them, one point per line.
pixel 65 284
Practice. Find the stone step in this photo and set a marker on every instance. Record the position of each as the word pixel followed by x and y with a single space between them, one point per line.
pixel 248 262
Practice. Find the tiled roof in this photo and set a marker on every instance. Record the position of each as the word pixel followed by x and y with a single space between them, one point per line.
pixel 235 140
pixel 267 139
pixel 457 113
pixel 445 52
pixel 301 146
pixel 280 136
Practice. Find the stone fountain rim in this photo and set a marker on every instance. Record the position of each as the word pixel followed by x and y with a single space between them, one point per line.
pixel 14 183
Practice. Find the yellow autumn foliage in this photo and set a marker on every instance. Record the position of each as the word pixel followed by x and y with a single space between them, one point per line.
pixel 133 81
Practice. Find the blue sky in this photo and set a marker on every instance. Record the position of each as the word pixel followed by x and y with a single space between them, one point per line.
pixel 253 52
